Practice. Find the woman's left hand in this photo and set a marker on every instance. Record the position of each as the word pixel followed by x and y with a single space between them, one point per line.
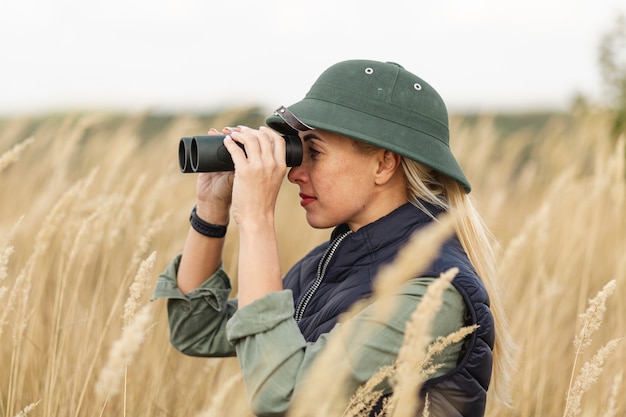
pixel 259 173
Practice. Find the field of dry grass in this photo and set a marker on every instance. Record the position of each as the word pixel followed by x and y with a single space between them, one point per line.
pixel 93 207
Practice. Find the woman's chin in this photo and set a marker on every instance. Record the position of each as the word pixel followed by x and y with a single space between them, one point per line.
pixel 318 223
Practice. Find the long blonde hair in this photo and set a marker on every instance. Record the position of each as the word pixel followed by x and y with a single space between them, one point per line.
pixel 425 184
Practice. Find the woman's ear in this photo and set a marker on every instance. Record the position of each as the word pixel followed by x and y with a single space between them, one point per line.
pixel 388 164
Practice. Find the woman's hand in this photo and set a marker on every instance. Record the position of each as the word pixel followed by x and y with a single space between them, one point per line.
pixel 202 255
pixel 259 173
pixel 214 191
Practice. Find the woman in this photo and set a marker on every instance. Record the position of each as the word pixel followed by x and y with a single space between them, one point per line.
pixel 377 167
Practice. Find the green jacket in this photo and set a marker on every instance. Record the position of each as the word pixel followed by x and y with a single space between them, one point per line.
pixel 205 322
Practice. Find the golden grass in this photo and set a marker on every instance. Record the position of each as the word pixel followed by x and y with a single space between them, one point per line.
pixel 413 364
pixel 105 208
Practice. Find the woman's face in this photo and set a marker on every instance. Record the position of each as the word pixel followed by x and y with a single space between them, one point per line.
pixel 337 181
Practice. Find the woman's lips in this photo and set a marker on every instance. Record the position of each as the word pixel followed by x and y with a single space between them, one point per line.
pixel 306 199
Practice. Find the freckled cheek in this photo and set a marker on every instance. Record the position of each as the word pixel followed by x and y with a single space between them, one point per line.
pixel 337 183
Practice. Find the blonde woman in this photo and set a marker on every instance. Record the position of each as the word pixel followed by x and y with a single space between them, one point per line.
pixel 376 168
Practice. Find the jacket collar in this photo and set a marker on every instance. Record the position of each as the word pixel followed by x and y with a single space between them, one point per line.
pixel 407 217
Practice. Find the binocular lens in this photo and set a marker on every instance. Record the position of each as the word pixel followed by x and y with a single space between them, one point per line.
pixel 184 159
pixel 207 153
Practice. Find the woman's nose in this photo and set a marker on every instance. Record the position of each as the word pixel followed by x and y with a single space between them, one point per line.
pixel 297 174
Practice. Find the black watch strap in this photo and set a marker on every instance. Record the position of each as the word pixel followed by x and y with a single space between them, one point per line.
pixel 204 228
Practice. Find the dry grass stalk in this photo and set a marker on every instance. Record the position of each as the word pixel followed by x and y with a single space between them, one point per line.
pixel 439 345
pixel 3 291
pixel 410 373
pixel 144 242
pixel 138 288
pixel 594 315
pixel 12 300
pixel 612 407
pixel 43 239
pixel 18 301
pixel 26 410
pixel 366 397
pixel 589 374
pixel 406 265
pixel 591 321
pixel 219 398
pixel 125 211
pixel 13 155
pixel 122 352
pixel 99 344
pixel 443 342
pixel 5 255
pixel 60 211
pixel 4 263
pixel 426 411
pixel 82 242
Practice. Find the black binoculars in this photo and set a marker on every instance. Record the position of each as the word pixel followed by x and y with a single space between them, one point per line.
pixel 207 153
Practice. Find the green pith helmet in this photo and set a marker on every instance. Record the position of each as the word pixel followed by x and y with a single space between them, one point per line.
pixel 379 103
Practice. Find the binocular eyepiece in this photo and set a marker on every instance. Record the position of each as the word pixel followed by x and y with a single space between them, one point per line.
pixel 207 153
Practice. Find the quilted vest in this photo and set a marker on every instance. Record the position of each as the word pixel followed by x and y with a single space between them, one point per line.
pixel 334 275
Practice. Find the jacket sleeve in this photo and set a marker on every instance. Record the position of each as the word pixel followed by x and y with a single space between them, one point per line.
pixel 198 319
pixel 274 356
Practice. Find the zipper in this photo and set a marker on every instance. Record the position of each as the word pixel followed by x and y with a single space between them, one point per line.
pixel 319 276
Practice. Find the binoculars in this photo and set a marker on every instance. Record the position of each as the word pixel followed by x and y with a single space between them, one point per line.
pixel 207 153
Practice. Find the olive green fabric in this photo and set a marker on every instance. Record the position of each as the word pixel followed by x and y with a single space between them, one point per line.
pixel 383 104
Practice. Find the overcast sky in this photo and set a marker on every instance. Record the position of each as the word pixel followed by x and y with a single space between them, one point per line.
pixel 196 55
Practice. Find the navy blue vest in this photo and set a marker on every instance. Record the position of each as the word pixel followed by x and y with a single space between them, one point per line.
pixel 347 276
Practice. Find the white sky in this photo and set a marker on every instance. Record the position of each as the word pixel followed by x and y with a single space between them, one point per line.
pixel 195 55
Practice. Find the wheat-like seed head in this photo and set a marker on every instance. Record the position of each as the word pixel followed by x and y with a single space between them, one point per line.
pixel 412 355
pixel 13 155
pixel 26 410
pixel 616 392
pixel 589 373
pixel 138 288
pixel 594 315
pixel 5 255
pixel 122 352
pixel 366 396
pixel 4 261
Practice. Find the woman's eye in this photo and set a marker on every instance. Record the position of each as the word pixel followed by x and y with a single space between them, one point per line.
pixel 313 153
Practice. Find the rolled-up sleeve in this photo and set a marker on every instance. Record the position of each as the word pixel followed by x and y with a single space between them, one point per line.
pixel 198 319
pixel 271 351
